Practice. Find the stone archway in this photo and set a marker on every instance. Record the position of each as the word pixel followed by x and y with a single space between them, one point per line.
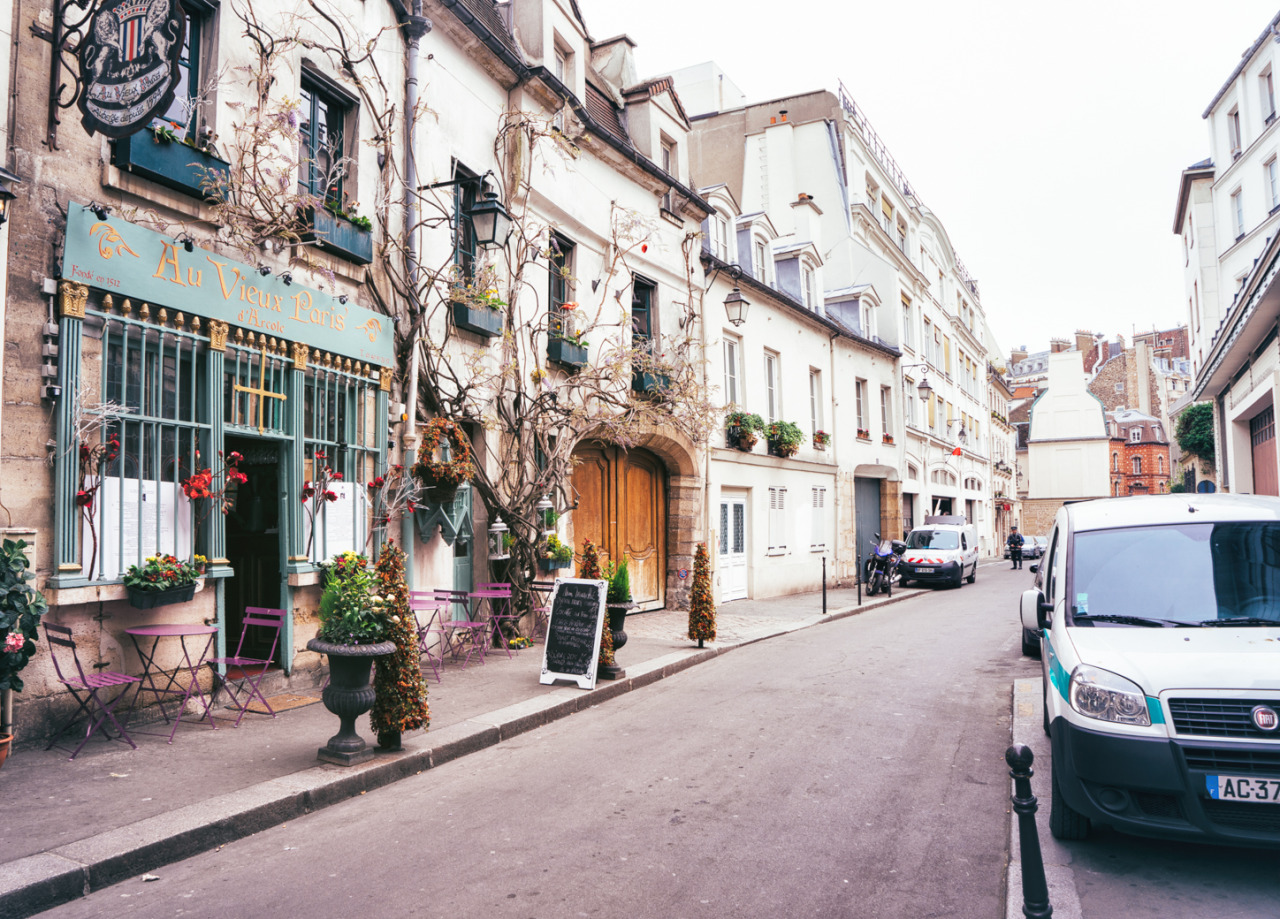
pixel 643 502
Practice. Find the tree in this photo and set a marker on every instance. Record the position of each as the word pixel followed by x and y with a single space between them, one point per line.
pixel 1195 431
pixel 702 608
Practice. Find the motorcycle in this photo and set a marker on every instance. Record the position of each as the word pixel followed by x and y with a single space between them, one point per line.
pixel 881 567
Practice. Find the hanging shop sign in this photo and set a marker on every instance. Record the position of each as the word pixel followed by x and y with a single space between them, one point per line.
pixel 129 64
pixel 128 260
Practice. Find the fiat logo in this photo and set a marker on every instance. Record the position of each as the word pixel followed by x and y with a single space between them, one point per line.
pixel 1265 718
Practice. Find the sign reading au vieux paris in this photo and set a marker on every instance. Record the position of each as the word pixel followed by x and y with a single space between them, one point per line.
pixel 129 64
pixel 131 261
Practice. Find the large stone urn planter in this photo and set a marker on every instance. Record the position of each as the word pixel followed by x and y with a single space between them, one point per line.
pixel 349 695
pixel 617 618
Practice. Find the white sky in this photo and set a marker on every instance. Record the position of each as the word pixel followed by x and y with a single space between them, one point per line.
pixel 1049 139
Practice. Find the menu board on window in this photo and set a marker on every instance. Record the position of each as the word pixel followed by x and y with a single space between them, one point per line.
pixel 136 519
pixel 572 649
pixel 340 526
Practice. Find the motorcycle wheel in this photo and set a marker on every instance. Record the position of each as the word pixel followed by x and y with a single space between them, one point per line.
pixel 873 586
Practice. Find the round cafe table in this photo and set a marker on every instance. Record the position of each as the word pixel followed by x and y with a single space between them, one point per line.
pixel 183 681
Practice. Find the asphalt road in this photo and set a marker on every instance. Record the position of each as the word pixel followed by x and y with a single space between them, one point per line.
pixel 854 769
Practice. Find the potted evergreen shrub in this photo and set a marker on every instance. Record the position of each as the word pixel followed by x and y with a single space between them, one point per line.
pixel 784 438
pixel 21 607
pixel 401 692
pixel 353 632
pixel 159 581
pixel 742 429
pixel 618 602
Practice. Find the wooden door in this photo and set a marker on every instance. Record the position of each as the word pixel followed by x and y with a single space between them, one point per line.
pixel 622 508
pixel 1262 435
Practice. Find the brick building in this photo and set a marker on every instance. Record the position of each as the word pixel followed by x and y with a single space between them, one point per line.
pixel 1140 463
pixel 1171 344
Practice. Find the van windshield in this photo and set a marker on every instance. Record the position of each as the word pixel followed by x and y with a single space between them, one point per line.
pixel 1189 573
pixel 933 539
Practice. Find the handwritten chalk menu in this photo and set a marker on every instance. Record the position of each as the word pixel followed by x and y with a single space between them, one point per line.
pixel 572 648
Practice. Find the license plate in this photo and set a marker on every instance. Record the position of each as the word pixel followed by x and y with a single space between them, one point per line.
pixel 1240 788
pixel 924 571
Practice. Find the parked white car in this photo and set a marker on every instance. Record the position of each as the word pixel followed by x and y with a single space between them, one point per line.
pixel 944 550
pixel 1159 624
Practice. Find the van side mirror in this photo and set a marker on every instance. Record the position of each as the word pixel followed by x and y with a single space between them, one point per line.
pixel 1035 610
pixel 1035 568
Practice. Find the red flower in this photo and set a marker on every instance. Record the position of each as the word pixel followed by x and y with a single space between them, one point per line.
pixel 84 498
pixel 644 247
pixel 330 496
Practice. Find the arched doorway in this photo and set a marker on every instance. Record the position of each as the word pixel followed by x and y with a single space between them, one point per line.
pixel 622 508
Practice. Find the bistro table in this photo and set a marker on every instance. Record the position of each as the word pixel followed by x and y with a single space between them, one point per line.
pixel 492 596
pixel 176 684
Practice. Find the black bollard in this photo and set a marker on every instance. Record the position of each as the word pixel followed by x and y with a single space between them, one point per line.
pixel 1035 890
pixel 824 585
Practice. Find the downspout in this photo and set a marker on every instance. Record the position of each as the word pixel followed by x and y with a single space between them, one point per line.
pixel 416 27
pixel 835 456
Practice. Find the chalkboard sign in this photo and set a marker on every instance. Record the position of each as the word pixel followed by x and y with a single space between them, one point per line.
pixel 572 649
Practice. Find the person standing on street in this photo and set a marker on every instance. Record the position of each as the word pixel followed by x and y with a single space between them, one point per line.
pixel 1015 547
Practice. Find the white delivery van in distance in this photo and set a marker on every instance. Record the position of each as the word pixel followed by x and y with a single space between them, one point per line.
pixel 943 551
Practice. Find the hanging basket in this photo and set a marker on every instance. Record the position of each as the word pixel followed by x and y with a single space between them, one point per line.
pixel 442 493
pixel 150 599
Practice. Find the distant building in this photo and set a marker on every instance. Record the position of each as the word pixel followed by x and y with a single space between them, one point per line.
pixel 1140 463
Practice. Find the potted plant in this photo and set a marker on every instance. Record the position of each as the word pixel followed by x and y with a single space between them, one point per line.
pixel 864 434
pixel 820 440
pixel 784 438
pixel 353 632
pixel 165 153
pixel 342 565
pixel 400 702
pixel 569 350
pixel 444 460
pixel 742 429
pixel 159 581
pixel 618 601
pixel 341 231
pixel 555 554
pixel 606 665
pixel 21 607
pixel 886 438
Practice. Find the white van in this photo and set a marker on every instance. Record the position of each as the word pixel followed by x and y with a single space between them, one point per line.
pixel 944 550
pixel 1159 624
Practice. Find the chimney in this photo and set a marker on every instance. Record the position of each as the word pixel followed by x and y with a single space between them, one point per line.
pixel 1058 345
pixel 806 215
pixel 1018 354
pixel 1084 340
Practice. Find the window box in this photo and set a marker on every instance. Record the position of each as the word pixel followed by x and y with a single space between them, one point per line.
pixel 550 564
pixel 169 162
pixel 782 448
pixel 820 440
pixel 150 599
pixel 480 320
pixel 743 439
pixel 886 438
pixel 566 353
pixel 654 384
pixel 864 434
pixel 341 237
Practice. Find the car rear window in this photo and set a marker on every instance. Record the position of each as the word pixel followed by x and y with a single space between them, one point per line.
pixel 1183 573
pixel 933 539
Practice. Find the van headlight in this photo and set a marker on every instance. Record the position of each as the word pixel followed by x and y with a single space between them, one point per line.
pixel 1107 696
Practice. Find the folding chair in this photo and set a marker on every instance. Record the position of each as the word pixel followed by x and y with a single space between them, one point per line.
pixel 433 637
pixel 465 634
pixel 495 591
pixel 541 613
pixel 95 687
pixel 243 689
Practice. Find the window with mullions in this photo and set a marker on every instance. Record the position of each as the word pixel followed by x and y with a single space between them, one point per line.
pixel 320 132
pixel 464 234
pixel 184 110
pixel 561 289
pixel 153 381
pixel 339 422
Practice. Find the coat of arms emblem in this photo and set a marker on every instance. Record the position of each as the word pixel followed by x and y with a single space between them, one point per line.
pixel 129 64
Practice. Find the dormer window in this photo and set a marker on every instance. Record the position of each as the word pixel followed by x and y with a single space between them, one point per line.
pixel 669 165
pixel 720 238
pixel 809 287
pixel 561 67
pixel 1233 131
pixel 760 261
pixel 1135 435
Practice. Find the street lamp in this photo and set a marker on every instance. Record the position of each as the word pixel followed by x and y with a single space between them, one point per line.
pixel 497 540
pixel 736 306
pixel 546 515
pixel 924 390
pixel 490 221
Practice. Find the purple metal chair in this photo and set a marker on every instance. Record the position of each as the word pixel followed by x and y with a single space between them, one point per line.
pixel 242 690
pixel 433 637
pixel 94 703
pixel 466 634
pixel 542 613
pixel 499 612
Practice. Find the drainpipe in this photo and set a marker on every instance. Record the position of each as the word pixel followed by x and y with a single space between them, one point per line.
pixel 416 27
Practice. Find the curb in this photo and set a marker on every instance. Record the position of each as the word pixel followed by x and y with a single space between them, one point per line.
pixel 47 879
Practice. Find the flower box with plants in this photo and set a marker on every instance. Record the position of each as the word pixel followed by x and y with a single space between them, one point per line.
pixel 820 440
pixel 162 155
pixel 444 460
pixel 161 580
pixel 554 554
pixel 742 429
pixel 886 438
pixel 342 232
pixel 864 434
pixel 475 302
pixel 569 352
pixel 784 438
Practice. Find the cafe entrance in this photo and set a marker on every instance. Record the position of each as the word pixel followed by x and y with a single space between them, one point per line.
pixel 255 539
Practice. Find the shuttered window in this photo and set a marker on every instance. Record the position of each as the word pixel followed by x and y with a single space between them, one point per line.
pixel 818 522
pixel 777 521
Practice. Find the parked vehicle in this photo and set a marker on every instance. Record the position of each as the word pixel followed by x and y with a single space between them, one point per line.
pixel 1032 547
pixel 1042 546
pixel 1157 619
pixel 944 550
pixel 881 567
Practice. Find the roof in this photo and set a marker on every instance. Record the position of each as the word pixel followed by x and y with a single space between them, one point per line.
pixel 605 114
pixel 484 13
pixel 1244 62
pixel 656 87
pixel 1201 170
pixel 1157 510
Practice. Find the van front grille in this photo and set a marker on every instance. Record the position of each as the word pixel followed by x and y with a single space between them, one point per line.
pixel 1218 717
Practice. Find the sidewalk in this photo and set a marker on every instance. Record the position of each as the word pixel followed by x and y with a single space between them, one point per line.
pixel 74 827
